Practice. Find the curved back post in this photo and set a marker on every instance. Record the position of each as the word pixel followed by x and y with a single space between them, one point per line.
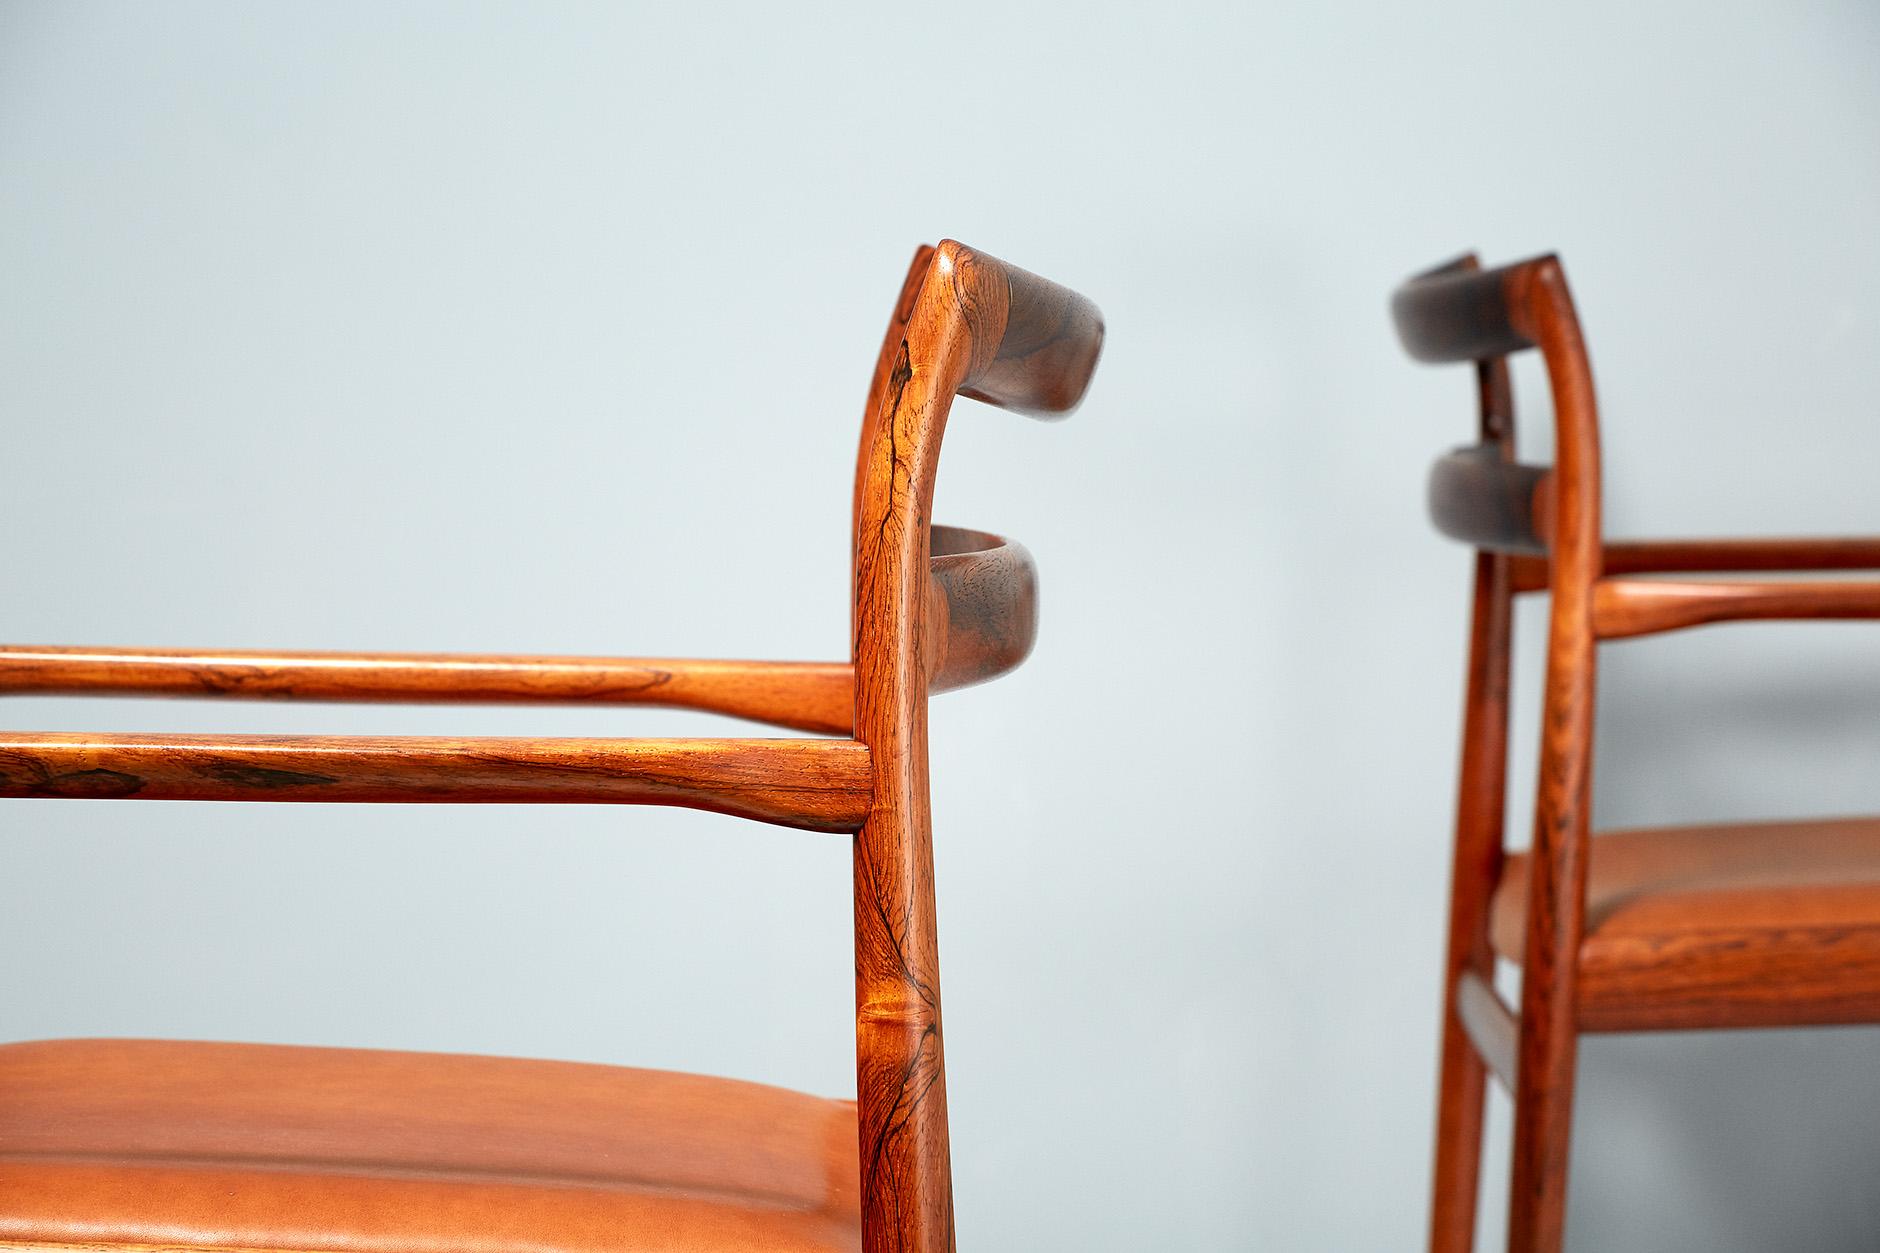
pixel 973 326
pixel 1458 313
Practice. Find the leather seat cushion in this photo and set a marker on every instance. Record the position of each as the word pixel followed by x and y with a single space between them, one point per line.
pixel 142 1143
pixel 1771 923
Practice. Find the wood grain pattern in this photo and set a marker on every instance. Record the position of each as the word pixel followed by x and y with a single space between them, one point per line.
pixel 1624 607
pixel 1481 808
pixel 803 695
pixel 1545 1071
pixel 1723 925
pixel 1687 928
pixel 984 610
pixel 818 785
pixel 981 328
pixel 1457 313
pixel 932 608
pixel 887 365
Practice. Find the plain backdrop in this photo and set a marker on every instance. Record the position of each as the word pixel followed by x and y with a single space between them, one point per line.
pixel 545 328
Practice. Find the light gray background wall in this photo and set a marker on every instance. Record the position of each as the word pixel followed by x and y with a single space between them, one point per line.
pixel 546 329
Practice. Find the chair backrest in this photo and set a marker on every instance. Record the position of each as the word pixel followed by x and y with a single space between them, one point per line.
pixel 934 607
pixel 1532 528
pixel 1459 312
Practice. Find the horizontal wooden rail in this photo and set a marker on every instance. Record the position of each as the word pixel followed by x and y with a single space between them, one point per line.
pixel 1528 573
pixel 818 785
pixel 1624 607
pixel 1716 556
pixel 805 696
pixel 984 617
pixel 1692 556
pixel 1490 1023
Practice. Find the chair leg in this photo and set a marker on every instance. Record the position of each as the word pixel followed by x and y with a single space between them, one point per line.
pixel 1459 1095
pixel 1543 1123
pixel 1481 806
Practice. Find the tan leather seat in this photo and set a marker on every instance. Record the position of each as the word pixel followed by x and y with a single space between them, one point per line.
pixel 141 1143
pixel 1713 925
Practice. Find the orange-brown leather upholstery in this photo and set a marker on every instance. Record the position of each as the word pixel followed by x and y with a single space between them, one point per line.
pixel 145 1144
pixel 1710 925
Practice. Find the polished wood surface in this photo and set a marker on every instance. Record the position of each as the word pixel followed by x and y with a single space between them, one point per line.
pixel 1719 556
pixel 803 695
pixel 985 607
pixel 981 328
pixel 1756 924
pixel 1460 313
pixel 888 364
pixel 819 785
pixel 989 582
pixel 140 1146
pixel 144 1144
pixel 1624 607
pixel 1545 1067
pixel 1716 556
pixel 1034 345
pixel 1481 809
pixel 1699 927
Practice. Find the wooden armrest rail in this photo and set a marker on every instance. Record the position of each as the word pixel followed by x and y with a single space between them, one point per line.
pixel 984 620
pixel 1625 607
pixel 804 696
pixel 817 785
pixel 1715 556
pixel 1741 555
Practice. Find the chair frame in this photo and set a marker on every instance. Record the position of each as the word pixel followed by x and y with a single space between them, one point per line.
pixel 934 608
pixel 1537 529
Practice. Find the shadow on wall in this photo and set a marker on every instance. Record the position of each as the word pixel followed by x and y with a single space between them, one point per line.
pixel 1748 1140
pixel 1728 1123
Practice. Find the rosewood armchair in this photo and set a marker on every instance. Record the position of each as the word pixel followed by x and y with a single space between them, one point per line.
pixel 1751 925
pixel 139 1144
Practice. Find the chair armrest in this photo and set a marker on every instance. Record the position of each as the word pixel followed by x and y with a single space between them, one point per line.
pixel 1624 607
pixel 805 696
pixel 1690 556
pixel 817 785
pixel 1714 556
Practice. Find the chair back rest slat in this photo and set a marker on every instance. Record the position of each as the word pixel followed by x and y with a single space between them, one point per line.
pixel 1484 501
pixel 1459 312
pixel 984 611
